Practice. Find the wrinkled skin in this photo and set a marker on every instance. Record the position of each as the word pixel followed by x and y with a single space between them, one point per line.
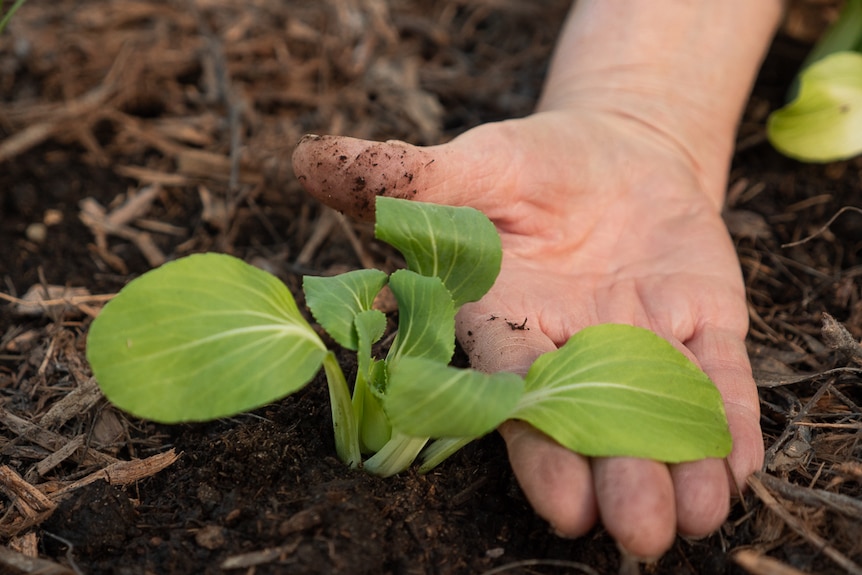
pixel 603 219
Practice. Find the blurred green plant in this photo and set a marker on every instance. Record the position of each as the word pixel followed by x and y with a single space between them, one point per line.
pixel 823 120
pixel 8 15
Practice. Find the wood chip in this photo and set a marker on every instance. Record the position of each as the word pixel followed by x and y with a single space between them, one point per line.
pixel 41 300
pixel 77 402
pixel 16 563
pixel 27 499
pixel 124 472
pixel 46 465
pixel 50 440
pixel 801 529
pixel 757 563
pixel 247 560
pixel 32 505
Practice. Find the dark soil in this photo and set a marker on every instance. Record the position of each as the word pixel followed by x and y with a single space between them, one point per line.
pixel 127 95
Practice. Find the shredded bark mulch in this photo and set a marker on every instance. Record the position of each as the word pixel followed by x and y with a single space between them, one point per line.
pixel 135 132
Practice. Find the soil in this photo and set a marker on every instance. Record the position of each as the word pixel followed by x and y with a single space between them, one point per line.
pixel 194 108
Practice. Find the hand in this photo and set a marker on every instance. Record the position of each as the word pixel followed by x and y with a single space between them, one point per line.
pixel 602 219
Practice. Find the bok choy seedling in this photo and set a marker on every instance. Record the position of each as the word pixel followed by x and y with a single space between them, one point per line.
pixel 208 336
pixel 823 120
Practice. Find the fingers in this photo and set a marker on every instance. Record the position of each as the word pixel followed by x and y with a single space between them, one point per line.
pixel 722 355
pixel 637 504
pixel 703 488
pixel 702 496
pixel 348 173
pixel 557 482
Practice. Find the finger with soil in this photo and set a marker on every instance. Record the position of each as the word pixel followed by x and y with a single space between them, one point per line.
pixel 348 173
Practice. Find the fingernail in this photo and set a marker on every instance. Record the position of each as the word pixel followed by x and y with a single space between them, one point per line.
pixel 308 138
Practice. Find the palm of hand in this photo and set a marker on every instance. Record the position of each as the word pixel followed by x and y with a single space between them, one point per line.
pixel 600 222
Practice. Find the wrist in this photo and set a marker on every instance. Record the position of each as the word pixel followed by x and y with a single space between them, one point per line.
pixel 681 69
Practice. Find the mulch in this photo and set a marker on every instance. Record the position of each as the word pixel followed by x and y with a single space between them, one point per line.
pixel 133 132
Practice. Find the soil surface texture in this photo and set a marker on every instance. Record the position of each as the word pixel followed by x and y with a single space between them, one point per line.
pixel 133 132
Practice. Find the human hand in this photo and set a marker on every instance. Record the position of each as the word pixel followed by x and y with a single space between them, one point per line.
pixel 602 220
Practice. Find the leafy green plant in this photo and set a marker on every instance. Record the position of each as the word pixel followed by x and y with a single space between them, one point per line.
pixel 823 120
pixel 209 336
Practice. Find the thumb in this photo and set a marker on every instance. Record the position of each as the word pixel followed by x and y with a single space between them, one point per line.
pixel 348 173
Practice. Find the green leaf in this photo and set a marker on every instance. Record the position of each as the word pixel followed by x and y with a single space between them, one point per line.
pixel 374 428
pixel 459 245
pixel 369 326
pixel 425 398
pixel 426 318
pixel 618 390
pixel 336 301
pixel 824 122
pixel 344 420
pixel 199 338
pixel 396 456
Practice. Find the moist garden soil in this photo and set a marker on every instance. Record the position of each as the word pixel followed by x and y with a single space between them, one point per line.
pixel 134 132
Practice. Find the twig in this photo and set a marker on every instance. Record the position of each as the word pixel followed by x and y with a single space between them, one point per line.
pixel 800 528
pixel 838 338
pixel 769 380
pixel 325 222
pixel 93 101
pixel 71 300
pixel 817 497
pixel 357 246
pixel 759 564
pixel 790 429
pixel 824 228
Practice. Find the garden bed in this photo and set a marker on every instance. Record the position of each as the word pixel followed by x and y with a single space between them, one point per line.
pixel 134 132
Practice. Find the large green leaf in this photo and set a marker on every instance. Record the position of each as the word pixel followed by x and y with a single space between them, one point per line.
pixel 426 318
pixel 618 390
pixel 335 301
pixel 425 398
pixel 824 122
pixel 199 338
pixel 459 245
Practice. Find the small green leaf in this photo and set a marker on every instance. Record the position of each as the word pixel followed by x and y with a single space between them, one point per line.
pixel 618 390
pixel 425 398
pixel 374 427
pixel 344 420
pixel 824 122
pixel 426 318
pixel 335 301
pixel 369 326
pixel 459 245
pixel 199 338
